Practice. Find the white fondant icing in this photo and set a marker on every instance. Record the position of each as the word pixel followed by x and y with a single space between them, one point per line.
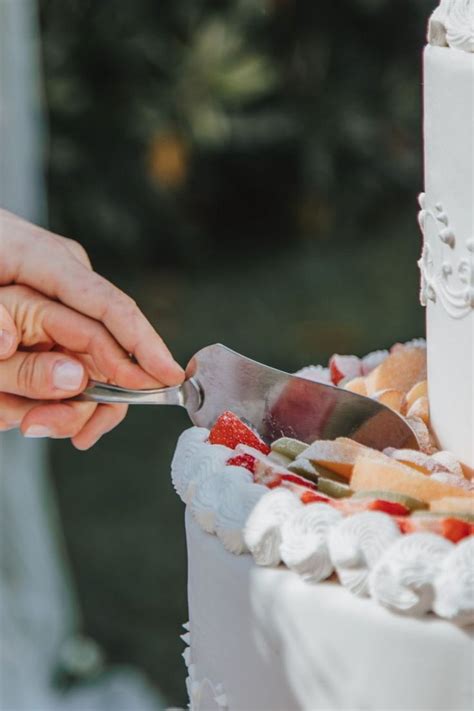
pixel 262 532
pixel 447 264
pixel 454 584
pixel 304 541
pixel 402 579
pixel 357 543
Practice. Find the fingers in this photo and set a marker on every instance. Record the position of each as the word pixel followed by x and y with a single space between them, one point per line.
pixel 8 334
pixel 12 410
pixel 41 320
pixel 42 376
pixel 39 260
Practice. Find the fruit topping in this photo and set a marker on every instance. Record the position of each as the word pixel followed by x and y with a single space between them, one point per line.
pixel 420 389
pixel 311 497
pixel 289 447
pixel 248 461
pixel 344 366
pixel 339 455
pixel 420 408
pixel 230 431
pixel 356 385
pixel 403 368
pixel 407 501
pixel 454 505
pixel 334 488
pixel 387 474
pixel 389 507
pixel 394 399
pixel 305 468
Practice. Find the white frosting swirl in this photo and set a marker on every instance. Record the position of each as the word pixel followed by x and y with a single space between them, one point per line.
pixel 402 579
pixel 304 541
pixel 236 501
pixel 183 463
pixel 208 492
pixel 209 460
pixel 356 544
pixel 454 584
pixel 452 24
pixel 262 532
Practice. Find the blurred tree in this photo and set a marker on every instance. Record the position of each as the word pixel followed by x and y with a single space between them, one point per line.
pixel 181 127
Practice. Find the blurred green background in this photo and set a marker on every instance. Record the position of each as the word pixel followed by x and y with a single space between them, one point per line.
pixel 248 171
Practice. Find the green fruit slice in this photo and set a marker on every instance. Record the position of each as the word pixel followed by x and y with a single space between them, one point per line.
pixel 334 488
pixel 288 446
pixel 279 458
pixel 408 501
pixel 305 468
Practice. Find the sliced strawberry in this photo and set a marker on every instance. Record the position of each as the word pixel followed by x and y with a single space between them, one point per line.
pixel 230 431
pixel 344 366
pixel 301 481
pixel 272 481
pixel 310 497
pixel 455 530
pixel 244 460
pixel 389 507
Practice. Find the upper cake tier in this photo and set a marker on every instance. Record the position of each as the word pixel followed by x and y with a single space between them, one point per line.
pixel 447 221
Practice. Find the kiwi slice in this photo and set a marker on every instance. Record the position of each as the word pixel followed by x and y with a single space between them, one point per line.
pixel 334 488
pixel 408 501
pixel 469 518
pixel 279 458
pixel 304 468
pixel 288 446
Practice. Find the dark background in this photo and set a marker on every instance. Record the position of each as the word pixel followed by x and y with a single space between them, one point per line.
pixel 248 171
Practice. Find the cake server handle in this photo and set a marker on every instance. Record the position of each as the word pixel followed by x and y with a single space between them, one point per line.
pixel 188 395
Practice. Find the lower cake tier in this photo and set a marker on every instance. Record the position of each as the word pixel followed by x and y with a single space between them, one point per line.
pixel 262 638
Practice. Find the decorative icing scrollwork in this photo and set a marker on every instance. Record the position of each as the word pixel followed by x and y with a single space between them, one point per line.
pixel 446 275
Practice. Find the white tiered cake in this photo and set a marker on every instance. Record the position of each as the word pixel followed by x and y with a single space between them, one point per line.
pixel 337 593
pixel 447 220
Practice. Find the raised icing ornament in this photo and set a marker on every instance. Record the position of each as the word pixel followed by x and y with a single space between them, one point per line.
pixel 452 25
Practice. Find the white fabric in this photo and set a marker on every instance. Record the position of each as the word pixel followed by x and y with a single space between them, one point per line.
pixel 268 640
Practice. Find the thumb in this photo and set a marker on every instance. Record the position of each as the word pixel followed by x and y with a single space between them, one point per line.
pixel 8 334
pixel 42 376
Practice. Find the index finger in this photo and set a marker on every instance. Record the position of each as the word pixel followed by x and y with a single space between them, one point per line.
pixel 32 256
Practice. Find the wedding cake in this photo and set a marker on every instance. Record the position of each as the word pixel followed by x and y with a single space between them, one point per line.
pixel 328 575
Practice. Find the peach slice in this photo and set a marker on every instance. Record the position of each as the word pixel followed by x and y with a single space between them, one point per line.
pixel 400 371
pixel 338 455
pixel 357 385
pixel 373 474
pixel 417 391
pixel 420 408
pixel 423 435
pixel 394 399
pixel 454 504
pixel 411 458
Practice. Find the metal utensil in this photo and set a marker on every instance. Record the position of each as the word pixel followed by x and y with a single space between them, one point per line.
pixel 275 403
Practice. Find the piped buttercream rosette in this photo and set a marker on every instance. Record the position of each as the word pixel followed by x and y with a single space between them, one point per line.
pixel 403 578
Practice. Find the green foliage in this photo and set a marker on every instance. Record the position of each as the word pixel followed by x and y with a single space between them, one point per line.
pixel 180 128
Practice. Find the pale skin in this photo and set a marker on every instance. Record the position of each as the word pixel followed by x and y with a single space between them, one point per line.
pixel 62 324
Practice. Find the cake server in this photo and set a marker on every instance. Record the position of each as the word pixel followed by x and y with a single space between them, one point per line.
pixel 275 403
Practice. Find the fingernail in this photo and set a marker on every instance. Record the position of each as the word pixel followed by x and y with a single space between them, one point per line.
pixel 6 341
pixel 38 431
pixel 68 375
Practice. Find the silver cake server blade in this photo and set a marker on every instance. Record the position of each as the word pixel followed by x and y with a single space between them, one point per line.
pixel 275 403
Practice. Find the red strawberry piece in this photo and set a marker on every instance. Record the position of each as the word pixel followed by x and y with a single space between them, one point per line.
pixel 295 479
pixel 344 366
pixel 310 497
pixel 389 507
pixel 244 460
pixel 455 530
pixel 273 482
pixel 230 431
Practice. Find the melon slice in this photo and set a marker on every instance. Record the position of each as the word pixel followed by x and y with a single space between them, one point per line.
pixel 417 391
pixel 388 475
pixel 402 370
pixel 357 385
pixel 394 399
pixel 454 505
pixel 420 408
pixel 338 455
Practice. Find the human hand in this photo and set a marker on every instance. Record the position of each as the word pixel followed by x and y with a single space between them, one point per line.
pixel 90 334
